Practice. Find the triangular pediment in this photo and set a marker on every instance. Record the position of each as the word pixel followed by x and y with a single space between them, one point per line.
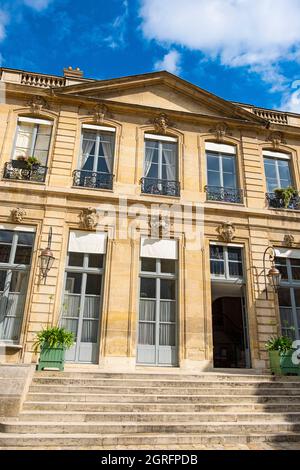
pixel 160 90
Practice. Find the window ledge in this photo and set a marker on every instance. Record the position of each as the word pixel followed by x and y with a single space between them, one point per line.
pixel 93 189
pixel 241 204
pixel 11 345
pixel 43 183
pixel 165 196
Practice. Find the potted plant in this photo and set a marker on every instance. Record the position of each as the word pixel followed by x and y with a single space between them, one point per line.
pixel 285 196
pixel 53 342
pixel 278 347
pixel 33 162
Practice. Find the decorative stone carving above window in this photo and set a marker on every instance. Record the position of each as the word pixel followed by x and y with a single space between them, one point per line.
pixel 37 104
pixel 159 225
pixel 277 138
pixel 17 215
pixel 161 123
pixel 289 240
pixel 226 232
pixel 100 112
pixel 221 130
pixel 88 218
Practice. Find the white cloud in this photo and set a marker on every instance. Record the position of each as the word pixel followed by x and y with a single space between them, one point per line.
pixel 170 62
pixel 4 20
pixel 252 33
pixel 118 28
pixel 291 99
pixel 38 5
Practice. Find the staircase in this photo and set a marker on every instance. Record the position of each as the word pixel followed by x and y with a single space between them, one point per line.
pixel 87 410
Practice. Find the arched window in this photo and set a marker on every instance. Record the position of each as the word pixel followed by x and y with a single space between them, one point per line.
pixel 277 170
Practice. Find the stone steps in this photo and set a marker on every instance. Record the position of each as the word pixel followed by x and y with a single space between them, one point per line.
pixel 165 398
pixel 159 407
pixel 122 390
pixel 77 409
pixel 156 441
pixel 155 416
pixel 106 428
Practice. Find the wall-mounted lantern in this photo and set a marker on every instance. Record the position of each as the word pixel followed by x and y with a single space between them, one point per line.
pixel 46 258
pixel 273 275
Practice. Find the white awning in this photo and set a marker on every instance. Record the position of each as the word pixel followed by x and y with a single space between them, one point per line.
pixel 98 128
pixel 165 138
pixel 87 242
pixel 35 121
pixel 220 148
pixel 287 253
pixel 163 249
pixel 282 156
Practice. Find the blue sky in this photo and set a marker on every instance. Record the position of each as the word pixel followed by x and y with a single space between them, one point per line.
pixel 241 50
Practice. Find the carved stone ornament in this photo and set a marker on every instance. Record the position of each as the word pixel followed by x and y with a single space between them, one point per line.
pixel 289 240
pixel 277 138
pixel 37 104
pixel 17 215
pixel 161 123
pixel 159 225
pixel 88 218
pixel 226 232
pixel 221 130
pixel 99 113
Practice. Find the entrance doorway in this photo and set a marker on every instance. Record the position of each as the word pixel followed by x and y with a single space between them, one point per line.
pixel 230 330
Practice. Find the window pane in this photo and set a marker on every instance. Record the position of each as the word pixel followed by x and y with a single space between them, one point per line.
pixel 213 162
pixel 6 236
pixel 270 168
pixel 235 269
pixel 234 254
pixel 3 275
pixel 297 297
pixel 295 264
pixel 148 288
pixel 95 261
pixel 93 284
pixel 284 172
pixel 23 255
pixel 216 252
pixel 89 332
pixel 167 311
pixel 73 283
pixel 228 164
pixel 167 266
pixel 24 139
pixel 166 335
pixel 167 289
pixel 149 265
pixel 76 259
pixel 217 268
pixel 4 253
pixel 147 310
pixel 18 282
pixel 146 333
pixel 213 178
pixel 229 180
pixel 284 297
pixel 25 238
pixel 281 266
pixel 102 165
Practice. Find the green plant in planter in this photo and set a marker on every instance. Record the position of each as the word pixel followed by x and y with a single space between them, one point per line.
pixel 52 343
pixel 33 161
pixel 285 195
pixel 277 346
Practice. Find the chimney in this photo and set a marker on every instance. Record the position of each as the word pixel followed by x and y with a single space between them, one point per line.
pixel 73 73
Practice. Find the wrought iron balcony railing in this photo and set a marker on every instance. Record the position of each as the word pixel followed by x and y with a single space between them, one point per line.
pixel 277 202
pixel 160 187
pixel 221 194
pixel 14 171
pixel 93 179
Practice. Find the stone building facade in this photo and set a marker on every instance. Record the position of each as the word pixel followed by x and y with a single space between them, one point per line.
pixel 100 165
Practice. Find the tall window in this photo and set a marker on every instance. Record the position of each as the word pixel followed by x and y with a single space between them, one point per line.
pixel 157 317
pixel 160 165
pixel 15 259
pixel 277 170
pixel 289 296
pixel 221 173
pixel 33 139
pixel 97 157
pixel 226 262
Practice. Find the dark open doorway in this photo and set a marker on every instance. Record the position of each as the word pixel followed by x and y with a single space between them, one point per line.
pixel 230 336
